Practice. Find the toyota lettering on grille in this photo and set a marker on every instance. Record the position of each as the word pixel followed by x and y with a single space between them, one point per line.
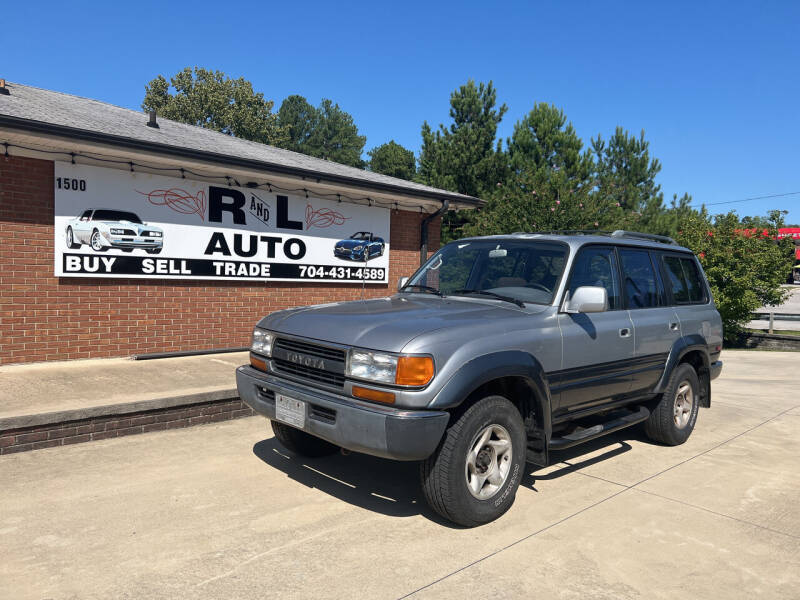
pixel 306 361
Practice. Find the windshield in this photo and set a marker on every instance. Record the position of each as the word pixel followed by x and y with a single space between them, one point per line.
pixel 115 215
pixel 525 271
pixel 361 235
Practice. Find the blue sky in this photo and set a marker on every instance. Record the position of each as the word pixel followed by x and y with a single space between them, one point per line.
pixel 715 86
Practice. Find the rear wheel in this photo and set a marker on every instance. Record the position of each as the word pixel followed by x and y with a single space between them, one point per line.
pixel 473 476
pixel 673 419
pixel 71 244
pixel 302 443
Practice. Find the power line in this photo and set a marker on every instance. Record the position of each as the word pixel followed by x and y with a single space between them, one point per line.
pixel 749 199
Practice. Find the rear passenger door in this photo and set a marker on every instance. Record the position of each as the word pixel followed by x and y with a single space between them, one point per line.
pixel 597 347
pixel 688 293
pixel 655 324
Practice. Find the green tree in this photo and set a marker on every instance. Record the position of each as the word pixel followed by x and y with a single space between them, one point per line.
pixel 213 100
pixel 394 160
pixel 464 157
pixel 298 118
pixel 549 181
pixel 745 269
pixel 625 171
pixel 324 132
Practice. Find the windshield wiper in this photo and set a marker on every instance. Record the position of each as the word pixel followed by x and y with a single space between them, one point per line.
pixel 425 288
pixel 519 303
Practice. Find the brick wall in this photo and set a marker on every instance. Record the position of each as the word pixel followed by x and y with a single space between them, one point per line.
pixel 43 317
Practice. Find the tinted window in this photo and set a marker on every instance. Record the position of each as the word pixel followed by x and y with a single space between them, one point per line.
pixel 638 279
pixel 115 215
pixel 85 216
pixel 597 266
pixel 693 280
pixel 684 280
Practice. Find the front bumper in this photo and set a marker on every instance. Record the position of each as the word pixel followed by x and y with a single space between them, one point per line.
pixel 348 254
pixel 127 241
pixel 385 431
pixel 714 369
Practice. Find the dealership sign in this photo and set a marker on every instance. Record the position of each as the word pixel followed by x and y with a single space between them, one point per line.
pixel 112 223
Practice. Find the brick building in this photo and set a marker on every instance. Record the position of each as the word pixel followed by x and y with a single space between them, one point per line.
pixel 45 316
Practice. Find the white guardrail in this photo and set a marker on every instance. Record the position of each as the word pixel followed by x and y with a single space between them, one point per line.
pixel 775 316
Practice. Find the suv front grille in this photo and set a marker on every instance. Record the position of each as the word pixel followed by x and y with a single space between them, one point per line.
pixel 315 363
pixel 310 349
pixel 317 375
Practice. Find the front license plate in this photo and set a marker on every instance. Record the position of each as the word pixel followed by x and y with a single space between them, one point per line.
pixel 290 410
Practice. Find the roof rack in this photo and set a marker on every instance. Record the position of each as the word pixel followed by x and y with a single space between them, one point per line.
pixel 621 233
pixel 564 232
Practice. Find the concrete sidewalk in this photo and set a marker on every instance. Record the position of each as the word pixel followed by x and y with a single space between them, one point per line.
pixel 58 397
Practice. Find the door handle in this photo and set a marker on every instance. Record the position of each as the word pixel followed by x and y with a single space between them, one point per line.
pixel 673 326
pixel 624 332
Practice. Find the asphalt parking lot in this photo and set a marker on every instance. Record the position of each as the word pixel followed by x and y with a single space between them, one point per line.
pixel 221 511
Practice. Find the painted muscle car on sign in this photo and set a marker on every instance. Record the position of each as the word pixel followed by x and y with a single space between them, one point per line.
pixel 102 228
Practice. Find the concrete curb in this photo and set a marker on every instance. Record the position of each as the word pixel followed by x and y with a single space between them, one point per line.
pixel 79 414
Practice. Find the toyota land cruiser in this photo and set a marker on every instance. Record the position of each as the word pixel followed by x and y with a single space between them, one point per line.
pixel 496 351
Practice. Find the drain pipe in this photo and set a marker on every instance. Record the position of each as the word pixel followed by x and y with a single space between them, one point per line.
pixel 423 231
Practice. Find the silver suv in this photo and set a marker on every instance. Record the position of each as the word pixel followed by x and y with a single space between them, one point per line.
pixel 496 351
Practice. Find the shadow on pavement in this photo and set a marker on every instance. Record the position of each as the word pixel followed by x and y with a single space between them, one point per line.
pixel 392 487
pixel 384 486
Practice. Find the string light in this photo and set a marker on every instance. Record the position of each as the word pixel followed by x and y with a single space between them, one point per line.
pixel 230 180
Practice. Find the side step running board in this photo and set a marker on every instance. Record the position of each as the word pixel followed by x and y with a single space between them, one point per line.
pixel 590 433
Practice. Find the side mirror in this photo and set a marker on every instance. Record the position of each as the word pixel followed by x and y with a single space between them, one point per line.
pixel 401 283
pixel 588 299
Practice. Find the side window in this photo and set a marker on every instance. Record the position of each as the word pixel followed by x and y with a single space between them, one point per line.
pixel 638 279
pixel 85 216
pixel 597 266
pixel 676 280
pixel 693 281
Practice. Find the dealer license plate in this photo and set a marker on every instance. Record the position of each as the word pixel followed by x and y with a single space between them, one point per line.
pixel 290 410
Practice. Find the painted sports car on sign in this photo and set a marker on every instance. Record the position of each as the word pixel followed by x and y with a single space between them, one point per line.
pixel 360 246
pixel 102 228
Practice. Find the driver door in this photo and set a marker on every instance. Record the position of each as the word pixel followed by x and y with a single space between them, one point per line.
pixel 597 347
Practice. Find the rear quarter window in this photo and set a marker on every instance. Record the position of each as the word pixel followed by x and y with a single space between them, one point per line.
pixel 684 280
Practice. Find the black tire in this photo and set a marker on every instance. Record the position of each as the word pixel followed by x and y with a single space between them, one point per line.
pixel 127 249
pixel 71 236
pixel 302 443
pixel 444 474
pixel 153 250
pixel 663 424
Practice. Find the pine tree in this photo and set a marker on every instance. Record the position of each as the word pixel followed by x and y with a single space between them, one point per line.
pixel 393 159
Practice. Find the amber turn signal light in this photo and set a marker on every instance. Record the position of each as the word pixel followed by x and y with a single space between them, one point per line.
pixel 414 370
pixel 257 363
pixel 376 395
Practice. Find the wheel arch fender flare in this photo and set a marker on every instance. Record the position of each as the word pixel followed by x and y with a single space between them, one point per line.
pixel 497 365
pixel 682 346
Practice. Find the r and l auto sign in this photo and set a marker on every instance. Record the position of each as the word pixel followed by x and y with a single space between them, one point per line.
pixel 112 223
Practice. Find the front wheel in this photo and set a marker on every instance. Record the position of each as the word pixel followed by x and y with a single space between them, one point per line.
pixel 302 443
pixel 97 242
pixel 473 476
pixel 153 250
pixel 672 421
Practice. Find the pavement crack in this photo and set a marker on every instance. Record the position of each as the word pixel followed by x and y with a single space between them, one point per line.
pixel 607 498
pixel 719 514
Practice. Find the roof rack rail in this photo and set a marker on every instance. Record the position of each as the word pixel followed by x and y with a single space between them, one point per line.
pixel 564 232
pixel 621 233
